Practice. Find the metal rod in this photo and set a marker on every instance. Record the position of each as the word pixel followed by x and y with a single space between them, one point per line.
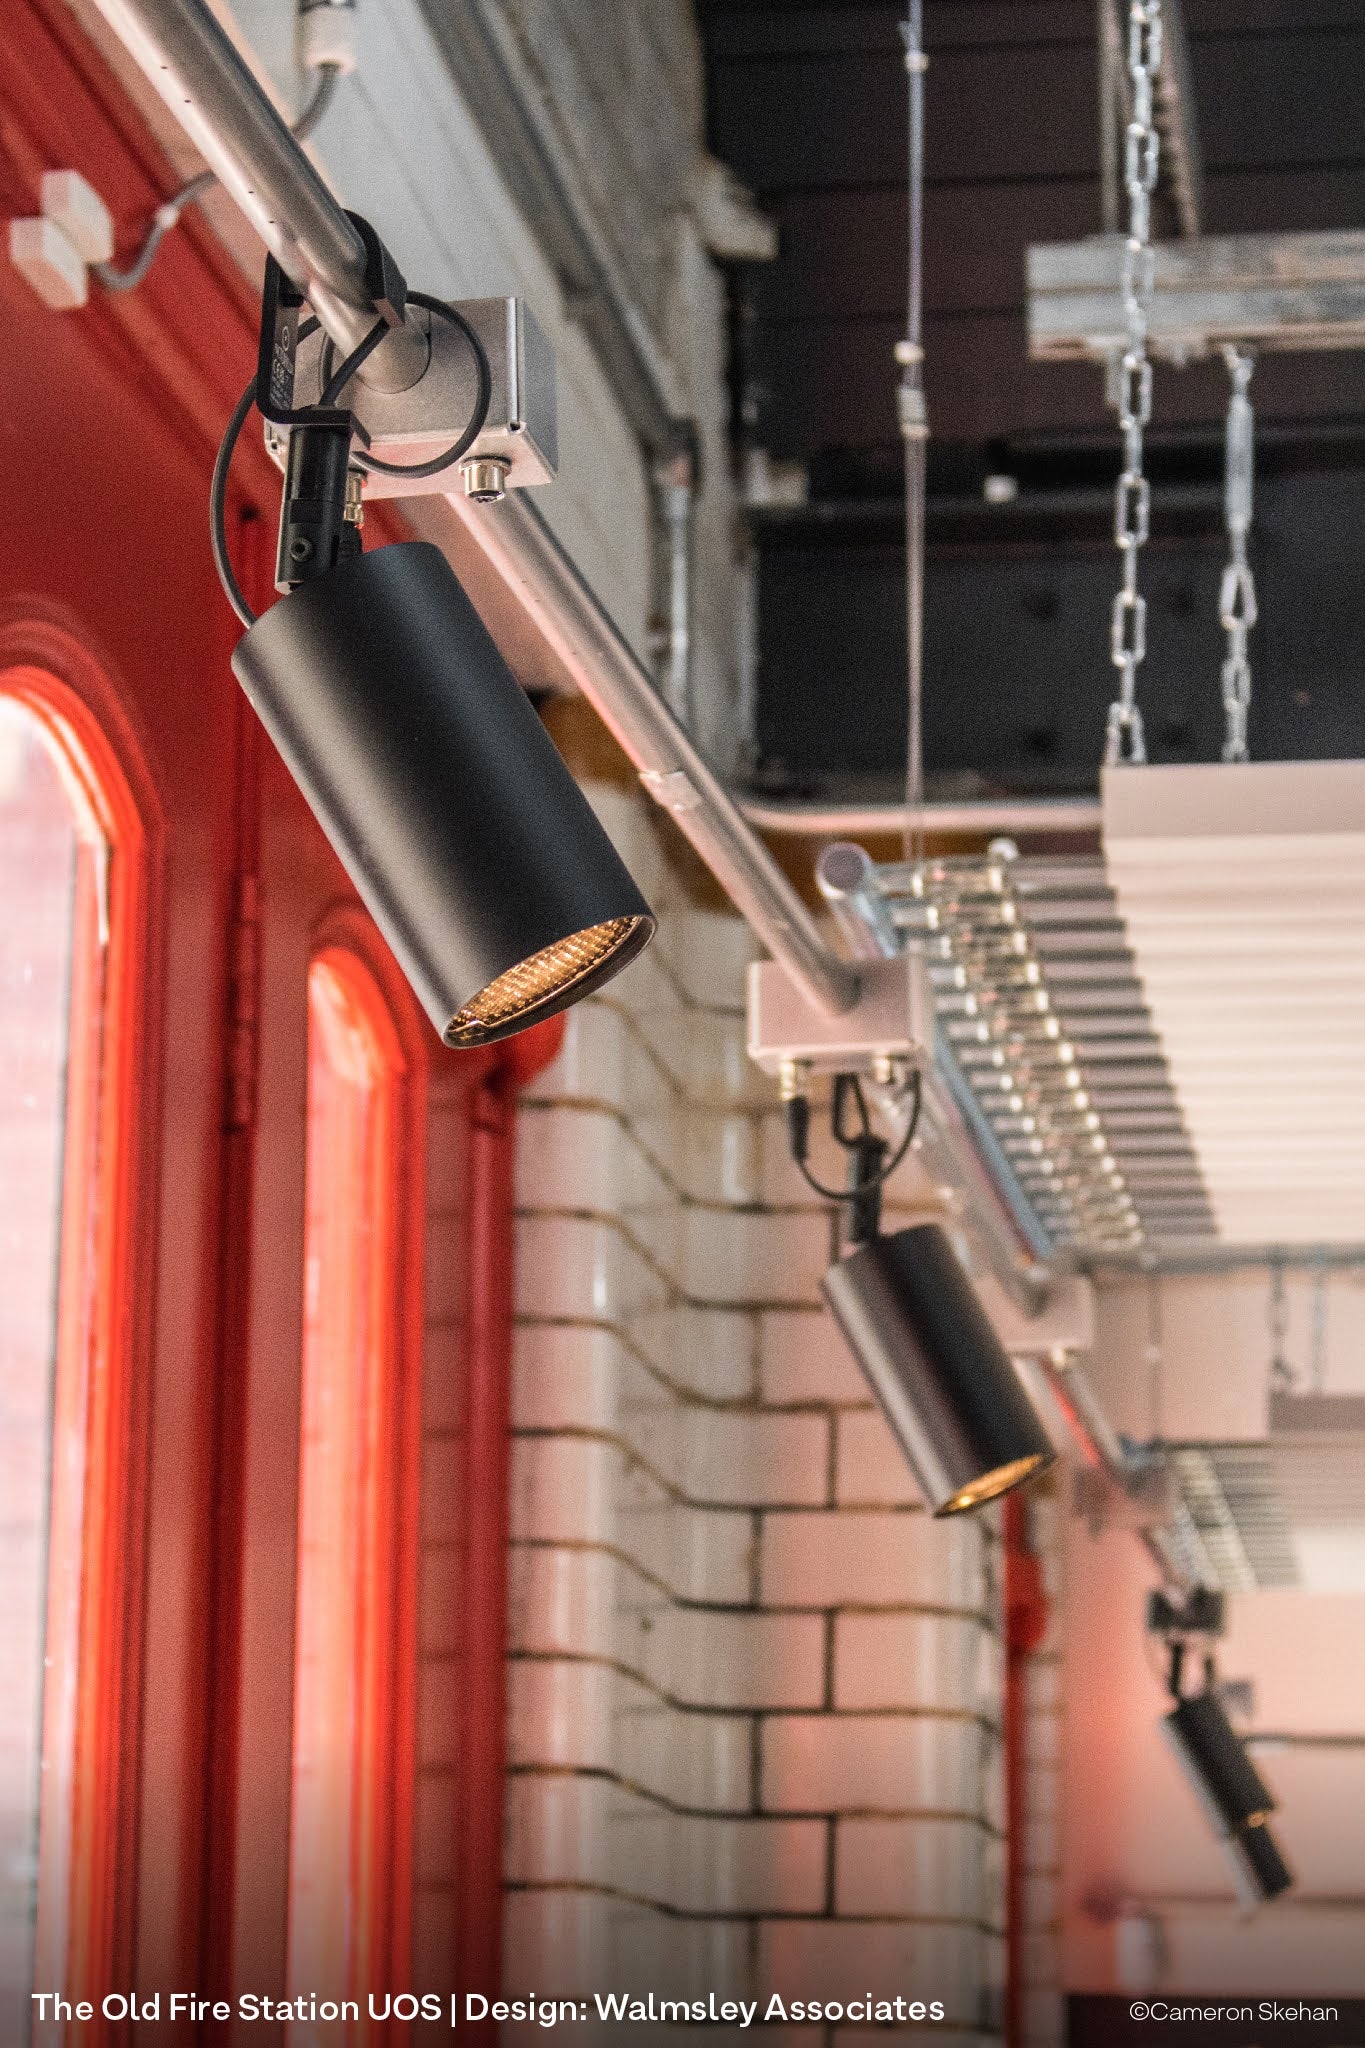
pixel 1021 815
pixel 515 537
pixel 676 495
pixel 204 81
pixel 847 879
pixel 1179 1262
pixel 193 65
pixel 1103 1449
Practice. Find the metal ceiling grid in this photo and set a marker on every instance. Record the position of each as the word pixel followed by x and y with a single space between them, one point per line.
pixel 1042 1018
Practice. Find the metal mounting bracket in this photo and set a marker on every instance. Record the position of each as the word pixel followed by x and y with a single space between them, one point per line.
pixel 892 1020
pixel 520 433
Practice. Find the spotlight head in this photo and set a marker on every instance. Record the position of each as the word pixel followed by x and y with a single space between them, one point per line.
pixel 472 846
pixel 1259 1871
pixel 1214 1760
pixel 940 1374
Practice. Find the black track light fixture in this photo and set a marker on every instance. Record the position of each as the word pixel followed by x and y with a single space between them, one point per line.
pixel 470 843
pixel 1213 1756
pixel 926 1347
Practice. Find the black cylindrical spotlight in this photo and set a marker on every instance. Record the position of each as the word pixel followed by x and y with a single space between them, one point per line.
pixel 1259 1871
pixel 1213 1757
pixel 472 846
pixel 943 1380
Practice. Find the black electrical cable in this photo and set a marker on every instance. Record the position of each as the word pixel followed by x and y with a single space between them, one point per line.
pixel 168 213
pixel 336 384
pixel 371 464
pixel 218 508
pixel 798 1132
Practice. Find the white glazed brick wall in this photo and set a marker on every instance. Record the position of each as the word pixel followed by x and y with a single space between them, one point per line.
pixel 754 1689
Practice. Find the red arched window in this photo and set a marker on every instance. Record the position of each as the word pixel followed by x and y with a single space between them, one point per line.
pixel 350 1829
pixel 72 882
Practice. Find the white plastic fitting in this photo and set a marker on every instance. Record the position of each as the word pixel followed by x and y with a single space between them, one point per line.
pixel 326 35
pixel 53 250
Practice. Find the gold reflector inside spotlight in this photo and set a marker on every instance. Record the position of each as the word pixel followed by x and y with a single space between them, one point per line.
pixel 991 1484
pixel 532 983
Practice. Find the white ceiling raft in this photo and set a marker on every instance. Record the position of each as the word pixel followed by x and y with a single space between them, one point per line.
pixel 1242 893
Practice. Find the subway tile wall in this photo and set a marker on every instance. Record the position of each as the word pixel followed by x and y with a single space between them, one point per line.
pixel 754 1690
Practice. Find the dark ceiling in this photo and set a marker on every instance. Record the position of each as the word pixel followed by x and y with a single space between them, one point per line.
pixel 807 102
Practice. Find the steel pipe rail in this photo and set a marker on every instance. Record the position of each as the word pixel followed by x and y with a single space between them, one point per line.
pixel 193 65
pixel 190 60
pixel 1173 1545
pixel 518 541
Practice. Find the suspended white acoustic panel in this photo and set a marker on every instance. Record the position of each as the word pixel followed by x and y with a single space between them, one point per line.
pixel 1242 889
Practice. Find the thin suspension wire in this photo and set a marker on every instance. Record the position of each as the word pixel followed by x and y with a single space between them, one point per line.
pixel 914 428
pixel 370 465
pixel 168 213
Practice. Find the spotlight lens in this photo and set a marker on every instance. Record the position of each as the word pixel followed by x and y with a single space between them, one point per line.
pixel 546 977
pixel 992 1484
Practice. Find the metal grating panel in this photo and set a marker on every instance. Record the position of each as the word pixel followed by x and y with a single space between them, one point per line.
pixel 1233 1498
pixel 1288 1512
pixel 1042 1015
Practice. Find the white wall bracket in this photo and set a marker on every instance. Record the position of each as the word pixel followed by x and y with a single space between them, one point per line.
pixel 54 250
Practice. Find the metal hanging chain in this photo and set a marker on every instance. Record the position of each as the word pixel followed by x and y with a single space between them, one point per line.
pixel 1133 502
pixel 1237 597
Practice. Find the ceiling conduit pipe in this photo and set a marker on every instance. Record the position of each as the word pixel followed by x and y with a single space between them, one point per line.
pixel 1170 1539
pixel 519 543
pixel 987 815
pixel 187 57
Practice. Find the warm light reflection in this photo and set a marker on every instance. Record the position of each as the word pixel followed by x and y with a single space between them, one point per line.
pixel 352 1426
pixel 991 1485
